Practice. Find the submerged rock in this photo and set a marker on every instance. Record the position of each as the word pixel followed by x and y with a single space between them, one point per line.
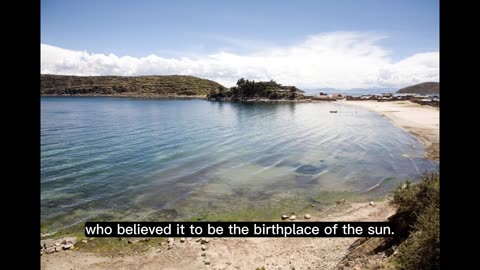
pixel 310 169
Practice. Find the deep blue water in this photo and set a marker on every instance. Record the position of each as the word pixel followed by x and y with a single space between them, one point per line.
pixel 121 158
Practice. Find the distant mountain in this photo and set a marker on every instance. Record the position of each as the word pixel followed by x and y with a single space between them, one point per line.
pixel 145 86
pixel 422 88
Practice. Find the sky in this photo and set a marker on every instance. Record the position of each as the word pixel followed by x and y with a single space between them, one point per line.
pixel 310 44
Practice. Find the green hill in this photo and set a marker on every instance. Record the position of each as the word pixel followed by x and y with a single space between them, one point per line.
pixel 148 86
pixel 246 90
pixel 422 88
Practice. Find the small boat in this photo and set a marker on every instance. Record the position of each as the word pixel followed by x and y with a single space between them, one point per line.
pixel 333 111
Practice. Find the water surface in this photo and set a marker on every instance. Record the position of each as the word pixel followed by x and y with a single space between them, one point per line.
pixel 133 159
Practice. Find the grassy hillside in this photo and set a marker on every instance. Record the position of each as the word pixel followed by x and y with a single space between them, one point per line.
pixel 175 85
pixel 422 88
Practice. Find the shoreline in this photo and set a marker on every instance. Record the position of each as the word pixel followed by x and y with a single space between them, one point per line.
pixel 422 121
pixel 221 252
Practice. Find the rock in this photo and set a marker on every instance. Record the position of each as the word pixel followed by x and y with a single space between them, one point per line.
pixel 203 254
pixel 372 203
pixel 312 205
pixel 307 216
pixel 67 246
pixel 170 243
pixel 203 241
pixel 182 240
pixel 207 240
pixel 50 250
pixel 58 248
pixel 57 244
pixel 47 243
pixel 198 239
pixel 284 216
pixel 204 247
pixel 293 217
pixel 342 201
pixel 69 240
pixel 207 261
pixel 84 241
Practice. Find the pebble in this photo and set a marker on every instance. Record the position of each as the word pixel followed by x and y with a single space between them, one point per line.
pixel 84 241
pixel 182 240
pixel 284 216
pixel 207 261
pixel 170 240
pixel 372 203
pixel 204 247
pixel 308 216
pixel 293 217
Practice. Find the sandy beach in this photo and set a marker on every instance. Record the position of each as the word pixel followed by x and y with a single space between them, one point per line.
pixel 231 253
pixel 420 120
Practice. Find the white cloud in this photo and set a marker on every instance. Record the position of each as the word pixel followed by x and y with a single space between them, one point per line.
pixel 338 59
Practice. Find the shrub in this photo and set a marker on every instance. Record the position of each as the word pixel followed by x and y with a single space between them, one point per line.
pixel 420 205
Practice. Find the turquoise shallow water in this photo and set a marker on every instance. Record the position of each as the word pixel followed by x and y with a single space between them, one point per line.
pixel 120 158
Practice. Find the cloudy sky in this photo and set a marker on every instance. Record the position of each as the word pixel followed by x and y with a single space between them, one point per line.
pixel 311 44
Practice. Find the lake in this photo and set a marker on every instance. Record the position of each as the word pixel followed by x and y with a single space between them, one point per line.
pixel 139 160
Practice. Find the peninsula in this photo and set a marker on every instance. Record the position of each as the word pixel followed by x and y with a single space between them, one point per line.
pixel 247 90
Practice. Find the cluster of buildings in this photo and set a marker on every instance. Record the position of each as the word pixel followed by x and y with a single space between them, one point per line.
pixel 433 100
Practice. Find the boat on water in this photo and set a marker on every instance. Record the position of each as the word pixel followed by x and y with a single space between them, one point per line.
pixel 333 111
